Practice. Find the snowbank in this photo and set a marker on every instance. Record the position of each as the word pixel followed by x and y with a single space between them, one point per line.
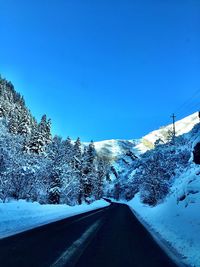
pixel 177 220
pixel 18 216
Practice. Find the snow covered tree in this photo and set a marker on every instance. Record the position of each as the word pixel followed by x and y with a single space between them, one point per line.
pixel 55 187
pixel 89 171
pixel 55 152
pixel 77 161
pixel 4 179
pixel 77 154
pixel 44 128
pixel 40 136
pixel 68 150
pixel 101 173
pixel 13 122
pixel 36 142
pixel 24 127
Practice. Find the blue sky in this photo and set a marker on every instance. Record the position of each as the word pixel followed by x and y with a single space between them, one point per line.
pixel 102 69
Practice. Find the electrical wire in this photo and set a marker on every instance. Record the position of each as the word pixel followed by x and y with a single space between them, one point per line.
pixel 188 102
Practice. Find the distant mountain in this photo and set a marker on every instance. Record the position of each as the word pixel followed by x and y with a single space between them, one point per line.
pixel 122 154
pixel 115 148
pixel 183 126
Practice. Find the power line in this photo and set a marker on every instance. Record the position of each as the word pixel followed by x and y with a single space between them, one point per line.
pixel 187 107
pixel 191 109
pixel 187 102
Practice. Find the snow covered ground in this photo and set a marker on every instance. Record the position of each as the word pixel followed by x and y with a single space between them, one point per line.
pixel 18 216
pixel 177 220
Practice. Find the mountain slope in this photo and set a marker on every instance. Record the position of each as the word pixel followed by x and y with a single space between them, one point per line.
pixel 183 126
pixel 116 148
pixel 123 153
pixel 163 186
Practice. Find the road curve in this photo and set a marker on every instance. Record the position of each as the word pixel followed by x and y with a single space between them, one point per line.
pixel 107 237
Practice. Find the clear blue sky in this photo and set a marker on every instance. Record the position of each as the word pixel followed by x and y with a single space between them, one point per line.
pixel 102 69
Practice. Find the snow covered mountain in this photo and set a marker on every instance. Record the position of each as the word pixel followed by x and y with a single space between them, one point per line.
pixel 115 148
pixel 182 126
pixel 123 153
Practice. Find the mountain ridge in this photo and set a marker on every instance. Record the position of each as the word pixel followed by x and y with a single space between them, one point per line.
pixel 117 147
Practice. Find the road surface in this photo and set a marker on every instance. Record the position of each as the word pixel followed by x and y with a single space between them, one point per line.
pixel 107 237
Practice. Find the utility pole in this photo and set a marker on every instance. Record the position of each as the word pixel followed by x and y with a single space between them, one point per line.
pixel 174 127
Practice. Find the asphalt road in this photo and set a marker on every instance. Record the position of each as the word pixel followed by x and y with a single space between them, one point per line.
pixel 109 237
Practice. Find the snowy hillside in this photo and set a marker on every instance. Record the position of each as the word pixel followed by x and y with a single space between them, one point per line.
pixel 165 186
pixel 177 219
pixel 115 148
pixel 123 153
pixel 162 184
pixel 182 126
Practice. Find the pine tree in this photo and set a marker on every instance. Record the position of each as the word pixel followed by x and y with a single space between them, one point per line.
pixel 24 127
pixel 89 170
pixel 77 167
pixel 44 128
pixel 36 143
pixel 101 173
pixel 77 153
pixel 40 136
pixel 56 155
pixel 68 150
pixel 55 186
pixel 13 123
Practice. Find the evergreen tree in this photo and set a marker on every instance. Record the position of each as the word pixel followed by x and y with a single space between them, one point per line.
pixel 77 154
pixel 101 173
pixel 77 161
pixel 13 123
pixel 89 174
pixel 24 127
pixel 40 136
pixel 36 143
pixel 68 148
pixel 44 128
pixel 55 187
pixel 56 155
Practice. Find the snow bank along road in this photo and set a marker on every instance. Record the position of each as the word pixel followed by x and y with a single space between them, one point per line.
pixel 110 236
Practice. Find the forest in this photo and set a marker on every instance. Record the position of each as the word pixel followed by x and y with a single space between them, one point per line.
pixel 38 167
